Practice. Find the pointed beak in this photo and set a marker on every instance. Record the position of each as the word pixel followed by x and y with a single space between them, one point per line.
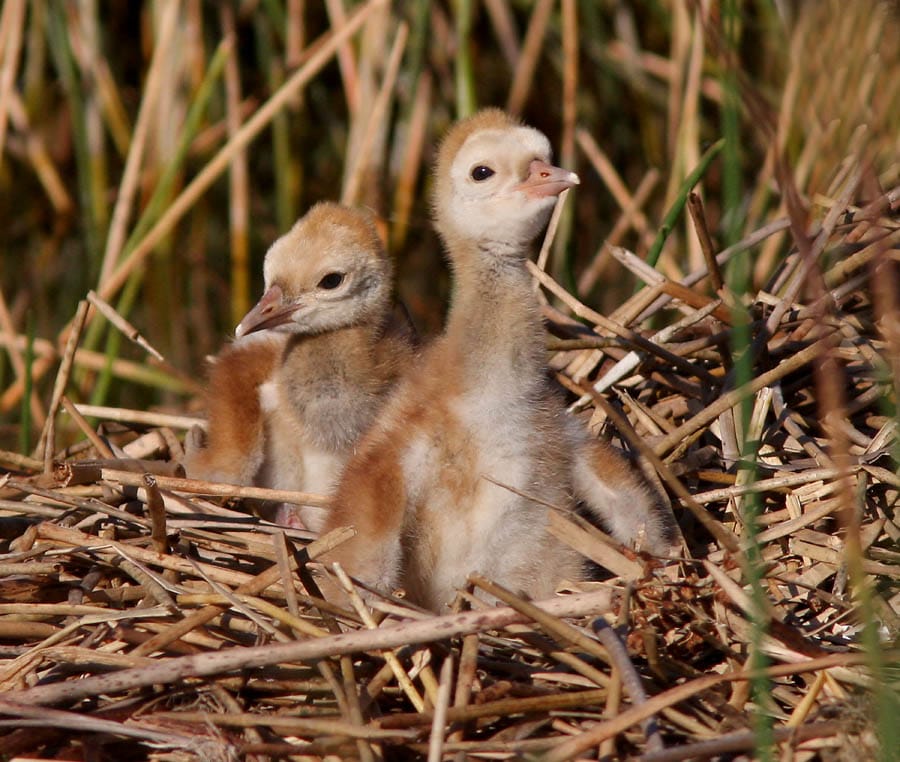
pixel 270 311
pixel 546 180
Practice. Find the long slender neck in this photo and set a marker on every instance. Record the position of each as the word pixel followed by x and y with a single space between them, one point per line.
pixel 326 353
pixel 494 315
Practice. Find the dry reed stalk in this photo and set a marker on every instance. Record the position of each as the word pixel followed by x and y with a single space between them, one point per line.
pixel 363 165
pixel 439 721
pixel 238 179
pixel 732 398
pixel 578 535
pixel 11 397
pixel 607 172
pixel 251 587
pixel 219 489
pixel 114 113
pixel 505 30
pixel 550 235
pixel 295 32
pixel 78 722
pixel 626 220
pixel 39 157
pixel 695 206
pixel 346 60
pixel 47 443
pixel 126 328
pixel 390 657
pixel 12 21
pixel 289 725
pixel 140 417
pixel 468 663
pixel 411 162
pixel 725 538
pixel 531 51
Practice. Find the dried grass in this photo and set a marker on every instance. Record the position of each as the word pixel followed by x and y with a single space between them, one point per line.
pixel 144 615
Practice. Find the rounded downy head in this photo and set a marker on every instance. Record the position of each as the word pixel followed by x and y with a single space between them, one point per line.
pixel 494 181
pixel 330 271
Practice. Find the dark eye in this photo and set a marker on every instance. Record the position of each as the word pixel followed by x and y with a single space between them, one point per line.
pixel 481 172
pixel 331 280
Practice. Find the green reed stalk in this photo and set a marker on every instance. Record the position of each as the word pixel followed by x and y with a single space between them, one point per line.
pixel 677 207
pixel 742 354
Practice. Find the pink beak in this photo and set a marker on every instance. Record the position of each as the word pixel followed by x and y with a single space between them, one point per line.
pixel 270 311
pixel 546 180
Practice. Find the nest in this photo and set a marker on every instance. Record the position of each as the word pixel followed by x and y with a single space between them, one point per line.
pixel 145 615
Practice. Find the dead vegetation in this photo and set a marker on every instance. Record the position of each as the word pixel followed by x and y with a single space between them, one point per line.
pixel 143 615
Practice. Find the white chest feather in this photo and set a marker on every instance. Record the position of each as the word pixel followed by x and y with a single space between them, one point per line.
pixel 468 496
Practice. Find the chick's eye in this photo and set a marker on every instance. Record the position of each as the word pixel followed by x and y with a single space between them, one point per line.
pixel 331 280
pixel 481 172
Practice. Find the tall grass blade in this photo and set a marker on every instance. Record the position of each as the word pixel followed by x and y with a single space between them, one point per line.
pixel 677 207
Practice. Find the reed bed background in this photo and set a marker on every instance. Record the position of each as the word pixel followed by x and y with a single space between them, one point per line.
pixel 723 302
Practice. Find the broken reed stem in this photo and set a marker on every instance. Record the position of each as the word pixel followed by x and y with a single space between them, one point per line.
pixel 695 207
pixel 465 678
pixel 550 233
pixel 629 676
pixel 627 219
pixel 47 443
pixel 439 721
pixel 390 657
pixel 675 210
pixel 139 417
pixel 125 328
pixel 287 724
pixel 78 722
pixel 745 740
pixel 157 510
pixel 346 58
pixel 215 489
pixel 410 165
pixel 607 172
pixel 47 173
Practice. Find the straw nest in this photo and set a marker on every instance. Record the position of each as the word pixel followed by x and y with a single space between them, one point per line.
pixel 141 609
